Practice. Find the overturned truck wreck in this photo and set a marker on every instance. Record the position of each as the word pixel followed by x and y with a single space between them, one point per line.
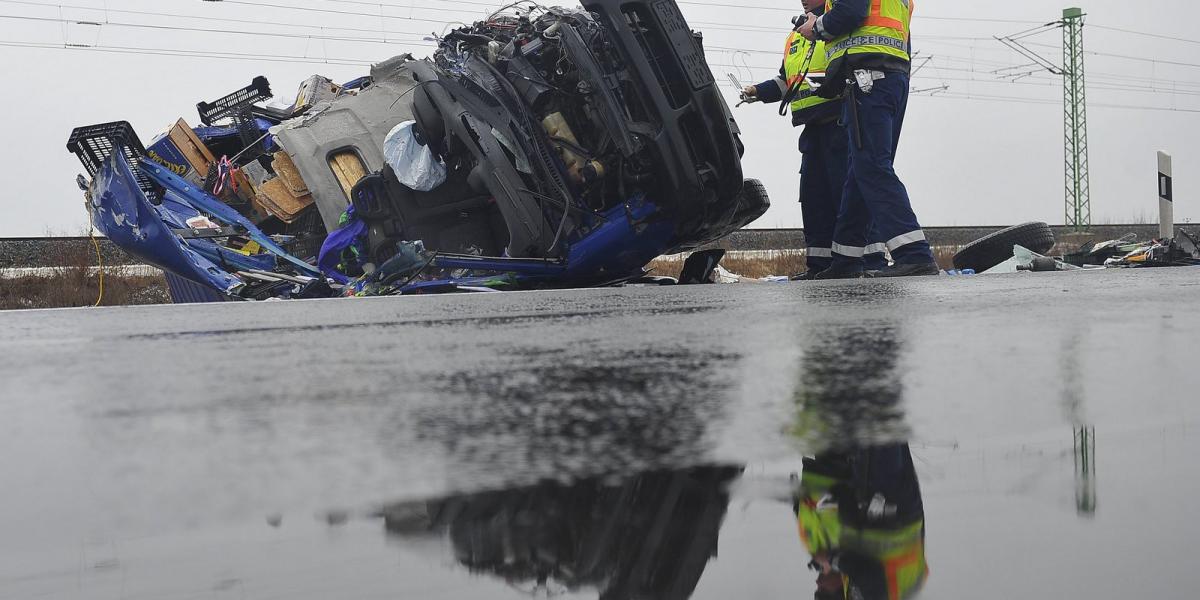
pixel 549 148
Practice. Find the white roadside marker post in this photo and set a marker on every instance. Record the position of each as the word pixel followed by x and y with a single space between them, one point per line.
pixel 1166 198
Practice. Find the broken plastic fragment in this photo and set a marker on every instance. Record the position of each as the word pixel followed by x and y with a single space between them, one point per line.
pixel 202 222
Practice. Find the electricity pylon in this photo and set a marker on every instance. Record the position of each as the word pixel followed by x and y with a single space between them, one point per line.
pixel 1078 188
pixel 1079 201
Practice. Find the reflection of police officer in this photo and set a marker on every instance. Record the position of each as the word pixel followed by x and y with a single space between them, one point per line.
pixel 823 144
pixel 863 522
pixel 858 503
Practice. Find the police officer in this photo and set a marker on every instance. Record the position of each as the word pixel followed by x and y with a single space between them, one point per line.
pixel 867 45
pixel 823 145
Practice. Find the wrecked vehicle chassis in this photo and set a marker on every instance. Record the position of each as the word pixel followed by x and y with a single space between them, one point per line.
pixel 559 147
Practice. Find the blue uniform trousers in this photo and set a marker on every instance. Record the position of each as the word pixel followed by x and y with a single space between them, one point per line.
pixel 825 150
pixel 873 195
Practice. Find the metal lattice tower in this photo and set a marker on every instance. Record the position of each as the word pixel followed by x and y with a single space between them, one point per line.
pixel 1085 470
pixel 1079 201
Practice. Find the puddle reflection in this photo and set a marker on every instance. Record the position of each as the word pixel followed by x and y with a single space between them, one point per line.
pixel 859 512
pixel 857 503
pixel 862 519
pixel 649 536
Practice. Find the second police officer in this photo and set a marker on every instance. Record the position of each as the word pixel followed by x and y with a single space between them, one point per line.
pixel 824 145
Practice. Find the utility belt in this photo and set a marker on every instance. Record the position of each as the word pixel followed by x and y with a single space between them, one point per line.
pixel 864 79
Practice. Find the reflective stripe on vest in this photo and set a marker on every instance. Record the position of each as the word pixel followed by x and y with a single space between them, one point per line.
pixel 885 31
pixel 793 66
pixel 820 527
pixel 906 572
pixel 876 18
pixel 901 553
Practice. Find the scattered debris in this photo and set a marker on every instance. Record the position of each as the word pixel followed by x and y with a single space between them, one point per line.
pixel 1125 252
pixel 991 250
pixel 547 147
pixel 1024 259
pixel 1181 251
pixel 701 267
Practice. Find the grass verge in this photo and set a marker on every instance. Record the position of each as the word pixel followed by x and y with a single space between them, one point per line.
pixel 783 263
pixel 77 283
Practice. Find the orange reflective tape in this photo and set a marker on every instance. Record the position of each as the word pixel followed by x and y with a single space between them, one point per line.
pixel 877 21
pixel 796 78
pixel 892 568
pixel 876 18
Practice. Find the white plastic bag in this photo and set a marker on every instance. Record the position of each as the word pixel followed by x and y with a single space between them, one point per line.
pixel 415 165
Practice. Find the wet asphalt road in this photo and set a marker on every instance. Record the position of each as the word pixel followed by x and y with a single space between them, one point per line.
pixel 615 443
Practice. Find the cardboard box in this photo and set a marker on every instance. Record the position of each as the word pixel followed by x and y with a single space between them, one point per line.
pixel 182 152
pixel 277 198
pixel 287 171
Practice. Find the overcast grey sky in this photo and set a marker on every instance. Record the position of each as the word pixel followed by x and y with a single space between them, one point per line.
pixel 984 151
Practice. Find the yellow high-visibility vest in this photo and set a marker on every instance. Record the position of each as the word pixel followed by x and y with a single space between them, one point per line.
pixel 793 66
pixel 886 31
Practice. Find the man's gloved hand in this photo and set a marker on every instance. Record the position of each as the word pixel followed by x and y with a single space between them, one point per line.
pixel 808 29
pixel 750 92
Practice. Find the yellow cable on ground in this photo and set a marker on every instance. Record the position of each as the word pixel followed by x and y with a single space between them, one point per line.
pixel 99 258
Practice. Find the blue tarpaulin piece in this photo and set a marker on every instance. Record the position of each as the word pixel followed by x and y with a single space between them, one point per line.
pixel 337 242
pixel 208 134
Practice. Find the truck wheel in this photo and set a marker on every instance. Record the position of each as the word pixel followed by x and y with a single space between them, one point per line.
pixel 753 203
pixel 991 250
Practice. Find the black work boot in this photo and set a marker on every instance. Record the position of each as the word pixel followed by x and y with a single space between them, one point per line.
pixel 836 272
pixel 899 270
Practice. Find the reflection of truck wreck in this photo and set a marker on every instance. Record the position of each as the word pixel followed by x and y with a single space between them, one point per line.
pixel 650 536
pixel 572 147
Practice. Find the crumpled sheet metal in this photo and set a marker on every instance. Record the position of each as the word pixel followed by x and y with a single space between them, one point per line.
pixel 123 214
pixel 352 122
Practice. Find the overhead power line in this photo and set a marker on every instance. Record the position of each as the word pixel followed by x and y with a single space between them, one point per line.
pixel 1151 85
pixel 1146 59
pixel 735 6
pixel 300 36
pixel 240 56
pixel 916 16
pixel 173 16
pixel 457 7
pixel 1025 100
pixel 1145 34
pixel 375 35
pixel 331 11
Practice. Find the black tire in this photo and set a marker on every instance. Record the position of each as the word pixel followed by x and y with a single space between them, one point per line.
pixel 753 203
pixel 989 251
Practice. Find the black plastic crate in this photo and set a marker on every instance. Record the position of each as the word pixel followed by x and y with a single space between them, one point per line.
pixel 233 105
pixel 310 234
pixel 94 144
